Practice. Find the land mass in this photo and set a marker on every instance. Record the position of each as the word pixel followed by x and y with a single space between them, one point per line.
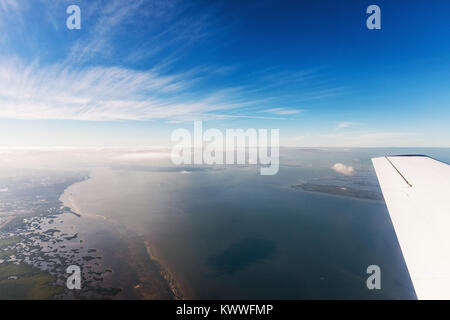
pixel 340 191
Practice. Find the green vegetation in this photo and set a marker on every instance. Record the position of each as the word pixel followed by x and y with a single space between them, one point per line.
pixel 14 224
pixel 5 254
pixel 31 283
pixel 4 243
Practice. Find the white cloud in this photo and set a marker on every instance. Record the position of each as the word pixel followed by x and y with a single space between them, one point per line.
pixel 343 169
pixel 347 124
pixel 82 157
pixel 11 11
pixel 145 156
pixel 102 93
pixel 282 111
pixel 111 15
pixel 9 5
pixel 77 90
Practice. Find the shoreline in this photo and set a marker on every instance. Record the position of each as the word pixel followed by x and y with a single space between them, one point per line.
pixel 175 287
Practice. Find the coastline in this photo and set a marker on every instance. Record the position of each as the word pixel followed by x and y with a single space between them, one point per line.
pixel 67 199
pixel 175 287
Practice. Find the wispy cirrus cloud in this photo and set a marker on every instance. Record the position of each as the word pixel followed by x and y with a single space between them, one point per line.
pixel 104 93
pixel 347 124
pixel 111 15
pixel 9 5
pixel 11 9
pixel 282 111
pixel 75 85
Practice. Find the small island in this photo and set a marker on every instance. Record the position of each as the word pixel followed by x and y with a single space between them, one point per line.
pixel 340 191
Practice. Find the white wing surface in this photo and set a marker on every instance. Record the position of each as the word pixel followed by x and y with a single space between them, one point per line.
pixel 417 194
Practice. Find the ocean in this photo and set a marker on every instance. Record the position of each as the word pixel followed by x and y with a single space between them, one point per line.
pixel 229 233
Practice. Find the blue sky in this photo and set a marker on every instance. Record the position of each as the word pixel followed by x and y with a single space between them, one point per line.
pixel 139 69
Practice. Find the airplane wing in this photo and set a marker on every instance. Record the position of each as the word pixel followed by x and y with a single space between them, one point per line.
pixel 417 194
